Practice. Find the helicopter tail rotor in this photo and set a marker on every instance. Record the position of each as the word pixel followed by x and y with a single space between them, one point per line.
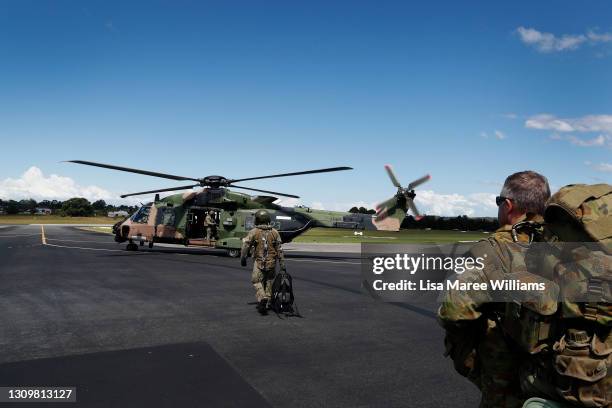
pixel 418 182
pixel 403 200
pixel 391 174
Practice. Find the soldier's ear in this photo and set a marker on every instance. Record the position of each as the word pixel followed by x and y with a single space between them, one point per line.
pixel 509 205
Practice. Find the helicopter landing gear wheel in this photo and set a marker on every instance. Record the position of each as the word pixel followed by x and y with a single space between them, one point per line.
pixel 234 253
pixel 131 247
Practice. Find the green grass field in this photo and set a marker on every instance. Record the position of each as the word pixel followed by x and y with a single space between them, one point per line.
pixel 344 236
pixel 54 219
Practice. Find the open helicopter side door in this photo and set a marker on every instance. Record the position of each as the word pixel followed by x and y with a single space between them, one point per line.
pixel 195 230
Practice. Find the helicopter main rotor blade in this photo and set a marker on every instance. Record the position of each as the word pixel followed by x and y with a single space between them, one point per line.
pixel 391 174
pixel 266 191
pixel 293 174
pixel 161 190
pixel 130 170
pixel 414 210
pixel 418 182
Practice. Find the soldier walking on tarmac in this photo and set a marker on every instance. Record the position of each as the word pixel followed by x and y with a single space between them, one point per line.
pixel 265 242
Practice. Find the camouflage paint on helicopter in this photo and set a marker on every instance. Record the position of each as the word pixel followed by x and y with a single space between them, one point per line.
pixel 179 218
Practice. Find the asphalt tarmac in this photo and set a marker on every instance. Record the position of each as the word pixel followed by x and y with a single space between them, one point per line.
pixel 171 327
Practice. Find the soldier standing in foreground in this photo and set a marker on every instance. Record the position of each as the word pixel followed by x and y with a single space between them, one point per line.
pixel 473 339
pixel 265 242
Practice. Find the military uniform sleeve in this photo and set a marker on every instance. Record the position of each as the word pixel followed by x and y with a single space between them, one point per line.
pixel 247 242
pixel 461 311
pixel 466 305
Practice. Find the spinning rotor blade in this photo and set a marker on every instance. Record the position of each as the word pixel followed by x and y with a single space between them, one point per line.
pixel 414 210
pixel 130 170
pixel 394 179
pixel 161 190
pixel 265 191
pixel 418 182
pixel 293 174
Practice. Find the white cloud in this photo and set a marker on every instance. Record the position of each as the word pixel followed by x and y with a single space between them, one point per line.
pixel 601 167
pixel 34 184
pixel 510 115
pixel 588 123
pixel 598 141
pixel 548 42
pixel 499 135
pixel 432 203
pixel 605 37
pixel 604 167
pixel 548 122
pixel 585 124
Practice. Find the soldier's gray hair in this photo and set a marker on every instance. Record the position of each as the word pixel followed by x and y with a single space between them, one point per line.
pixel 528 191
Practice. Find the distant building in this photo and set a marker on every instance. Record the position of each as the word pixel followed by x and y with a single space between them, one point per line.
pixel 42 211
pixel 115 214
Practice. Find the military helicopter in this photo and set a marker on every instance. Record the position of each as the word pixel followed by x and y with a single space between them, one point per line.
pixel 179 218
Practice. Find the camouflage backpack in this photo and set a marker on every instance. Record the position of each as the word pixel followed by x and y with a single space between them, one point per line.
pixel 267 248
pixel 565 330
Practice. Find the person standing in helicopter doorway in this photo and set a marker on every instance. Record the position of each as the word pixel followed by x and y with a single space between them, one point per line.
pixel 210 224
pixel 264 242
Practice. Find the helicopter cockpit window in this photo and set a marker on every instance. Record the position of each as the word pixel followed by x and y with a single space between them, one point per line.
pixel 167 216
pixel 142 216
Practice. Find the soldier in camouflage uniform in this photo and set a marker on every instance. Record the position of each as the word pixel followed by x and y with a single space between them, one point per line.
pixel 473 339
pixel 209 224
pixel 265 242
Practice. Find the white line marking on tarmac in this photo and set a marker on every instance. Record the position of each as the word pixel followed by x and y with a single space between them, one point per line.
pixel 44 241
pixel 78 240
pixel 85 248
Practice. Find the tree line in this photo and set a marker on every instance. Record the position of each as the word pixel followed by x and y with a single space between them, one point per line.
pixel 74 207
pixel 81 207
pixel 461 222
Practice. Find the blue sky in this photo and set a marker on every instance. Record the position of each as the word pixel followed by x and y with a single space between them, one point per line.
pixel 467 91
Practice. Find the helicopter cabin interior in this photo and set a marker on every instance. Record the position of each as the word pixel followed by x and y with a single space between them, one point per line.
pixel 195 229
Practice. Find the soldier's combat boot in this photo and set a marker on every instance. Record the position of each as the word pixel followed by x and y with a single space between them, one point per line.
pixel 262 306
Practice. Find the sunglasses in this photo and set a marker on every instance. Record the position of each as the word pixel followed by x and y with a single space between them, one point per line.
pixel 499 200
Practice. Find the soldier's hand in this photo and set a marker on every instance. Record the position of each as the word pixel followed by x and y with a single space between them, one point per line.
pixel 243 262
